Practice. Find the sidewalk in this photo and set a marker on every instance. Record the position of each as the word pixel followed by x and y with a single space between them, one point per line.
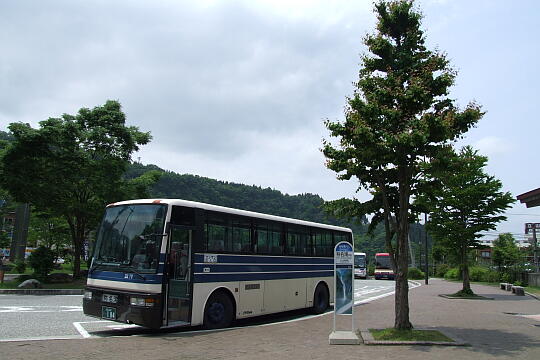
pixel 487 325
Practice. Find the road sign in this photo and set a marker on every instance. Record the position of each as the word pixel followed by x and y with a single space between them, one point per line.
pixel 531 226
pixel 344 292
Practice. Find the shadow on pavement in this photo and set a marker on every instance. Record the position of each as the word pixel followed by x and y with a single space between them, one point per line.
pixel 495 343
pixel 199 330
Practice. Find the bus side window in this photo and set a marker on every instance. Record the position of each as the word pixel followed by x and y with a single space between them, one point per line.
pixel 262 241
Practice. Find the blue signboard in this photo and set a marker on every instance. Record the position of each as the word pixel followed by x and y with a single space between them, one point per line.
pixel 344 281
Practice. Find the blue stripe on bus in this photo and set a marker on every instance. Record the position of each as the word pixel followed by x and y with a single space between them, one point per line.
pixel 206 278
pixel 265 259
pixel 260 267
pixel 121 276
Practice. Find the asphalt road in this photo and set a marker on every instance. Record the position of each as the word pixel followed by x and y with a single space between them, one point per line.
pixel 28 317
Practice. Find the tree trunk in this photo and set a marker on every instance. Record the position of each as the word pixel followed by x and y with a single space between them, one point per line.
pixel 401 321
pixel 465 271
pixel 77 229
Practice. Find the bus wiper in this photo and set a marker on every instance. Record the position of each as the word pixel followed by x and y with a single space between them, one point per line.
pixel 91 270
pixel 143 237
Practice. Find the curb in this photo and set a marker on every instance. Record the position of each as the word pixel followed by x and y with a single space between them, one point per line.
pixel 479 297
pixel 368 339
pixel 532 295
pixel 41 291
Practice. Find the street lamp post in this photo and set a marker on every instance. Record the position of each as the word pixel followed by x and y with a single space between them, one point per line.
pixel 426 267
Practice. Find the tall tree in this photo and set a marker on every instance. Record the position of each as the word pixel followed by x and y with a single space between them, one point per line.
pixel 399 114
pixel 464 202
pixel 72 166
pixel 505 252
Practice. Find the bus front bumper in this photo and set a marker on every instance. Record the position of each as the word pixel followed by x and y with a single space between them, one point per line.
pixel 117 306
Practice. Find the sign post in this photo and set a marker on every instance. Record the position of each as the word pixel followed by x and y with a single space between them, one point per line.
pixel 343 293
pixel 534 227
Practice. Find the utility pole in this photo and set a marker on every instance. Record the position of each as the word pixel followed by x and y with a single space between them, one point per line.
pixel 535 251
pixel 426 267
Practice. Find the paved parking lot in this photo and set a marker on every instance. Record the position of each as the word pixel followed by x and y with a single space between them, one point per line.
pixel 32 317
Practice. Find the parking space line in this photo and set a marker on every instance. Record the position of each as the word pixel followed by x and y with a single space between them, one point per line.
pixel 82 330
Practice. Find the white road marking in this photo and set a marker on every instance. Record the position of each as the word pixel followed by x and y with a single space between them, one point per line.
pixel 82 330
pixel 39 309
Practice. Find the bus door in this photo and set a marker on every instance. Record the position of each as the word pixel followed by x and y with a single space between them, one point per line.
pixel 179 276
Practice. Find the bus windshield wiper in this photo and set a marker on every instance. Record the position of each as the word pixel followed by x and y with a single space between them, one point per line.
pixel 91 270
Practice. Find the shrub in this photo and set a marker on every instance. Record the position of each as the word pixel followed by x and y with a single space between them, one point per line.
pixel 477 273
pixel 371 270
pixel 441 270
pixel 453 274
pixel 42 261
pixel 491 276
pixel 416 274
pixel 20 266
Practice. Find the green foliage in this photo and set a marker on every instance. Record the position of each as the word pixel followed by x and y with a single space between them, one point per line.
pixel 72 166
pixel 462 201
pixel 416 274
pixel 20 266
pixel 42 261
pixel 371 269
pixel 409 335
pixel 253 198
pixel 453 274
pixel 505 252
pixel 491 276
pixel 465 293
pixel 442 269
pixel 50 231
pixel 399 114
pixel 5 240
pixel 478 273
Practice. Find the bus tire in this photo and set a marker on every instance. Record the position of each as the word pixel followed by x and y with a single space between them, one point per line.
pixel 321 299
pixel 218 312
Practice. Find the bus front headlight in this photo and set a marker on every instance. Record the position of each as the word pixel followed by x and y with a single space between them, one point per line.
pixel 144 302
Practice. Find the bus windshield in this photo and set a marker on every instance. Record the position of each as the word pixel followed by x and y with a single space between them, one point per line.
pixel 359 261
pixel 129 238
pixel 382 262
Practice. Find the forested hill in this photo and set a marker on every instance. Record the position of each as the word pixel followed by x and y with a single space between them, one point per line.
pixel 269 201
pixel 253 198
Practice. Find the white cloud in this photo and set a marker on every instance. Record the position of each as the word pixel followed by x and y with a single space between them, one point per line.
pixel 492 146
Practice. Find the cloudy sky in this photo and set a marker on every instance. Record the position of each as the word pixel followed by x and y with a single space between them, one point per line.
pixel 239 90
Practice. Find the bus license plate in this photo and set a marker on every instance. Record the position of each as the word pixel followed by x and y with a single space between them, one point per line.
pixel 108 313
pixel 113 299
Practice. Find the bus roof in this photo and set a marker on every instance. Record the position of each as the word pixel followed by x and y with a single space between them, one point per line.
pixel 199 205
pixel 382 254
pixel 360 253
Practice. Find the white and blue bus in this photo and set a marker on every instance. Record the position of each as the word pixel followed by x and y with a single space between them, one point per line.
pixel 360 270
pixel 160 263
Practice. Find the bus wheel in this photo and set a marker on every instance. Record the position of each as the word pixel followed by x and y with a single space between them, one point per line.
pixel 321 299
pixel 218 312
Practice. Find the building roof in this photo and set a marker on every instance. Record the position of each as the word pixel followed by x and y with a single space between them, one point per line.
pixel 530 198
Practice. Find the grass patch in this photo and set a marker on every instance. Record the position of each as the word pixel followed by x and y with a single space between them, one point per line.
pixel 392 334
pixel 533 289
pixel 465 294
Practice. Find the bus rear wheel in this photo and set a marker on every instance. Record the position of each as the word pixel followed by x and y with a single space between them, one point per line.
pixel 218 312
pixel 321 299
